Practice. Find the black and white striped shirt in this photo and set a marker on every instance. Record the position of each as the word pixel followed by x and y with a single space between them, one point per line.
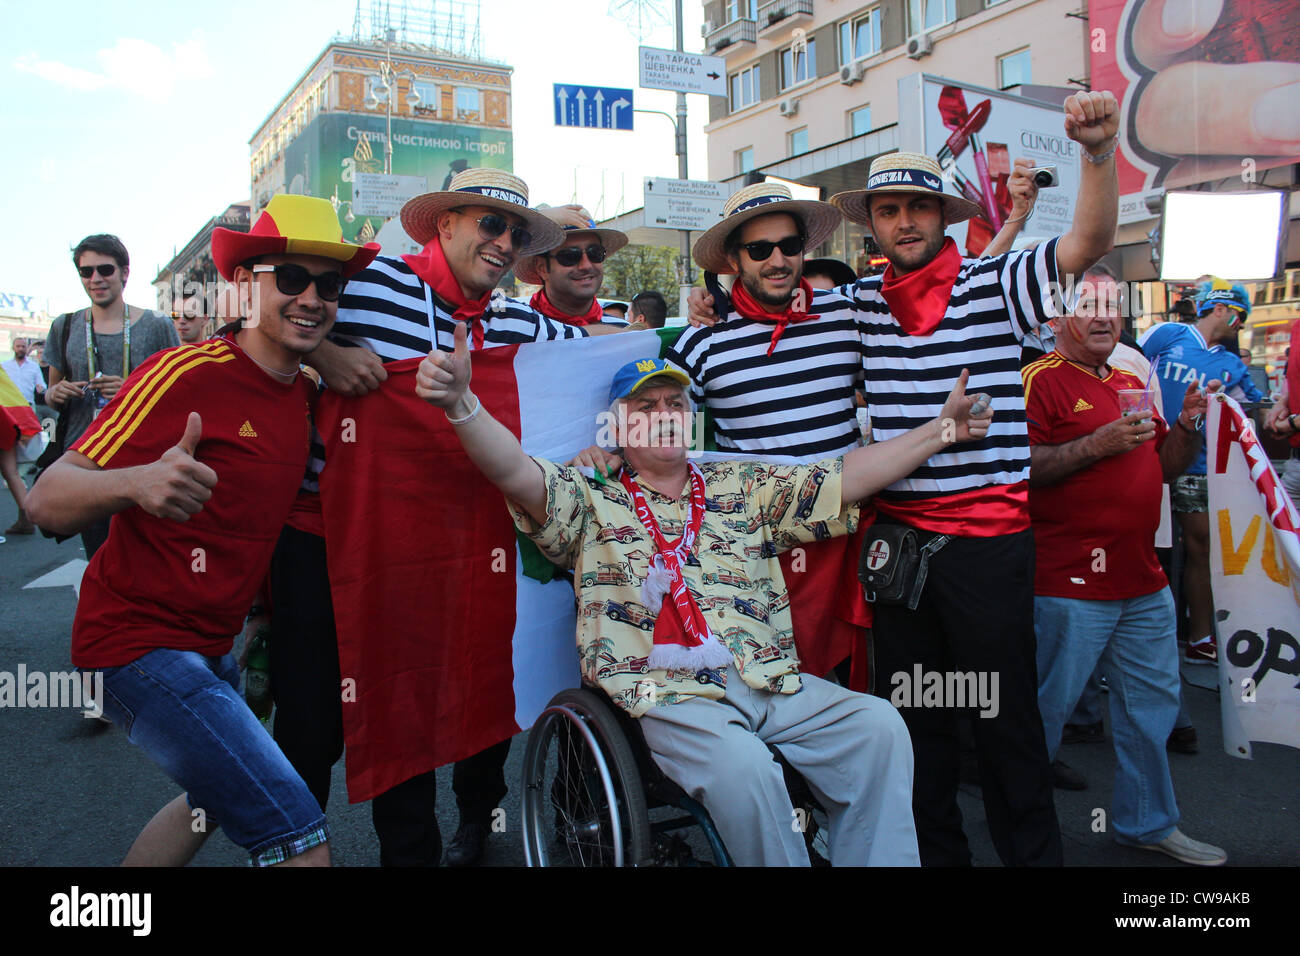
pixel 797 401
pixel 385 308
pixel 995 302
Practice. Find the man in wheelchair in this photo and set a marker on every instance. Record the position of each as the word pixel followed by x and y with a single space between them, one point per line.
pixel 698 589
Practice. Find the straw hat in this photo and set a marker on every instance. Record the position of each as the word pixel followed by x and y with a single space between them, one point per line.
pixel 480 187
pixel 904 173
pixel 529 269
pixel 761 199
pixel 296 225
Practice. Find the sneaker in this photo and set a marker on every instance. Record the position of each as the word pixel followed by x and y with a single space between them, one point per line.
pixel 1186 850
pixel 1183 741
pixel 1203 651
pixel 1083 733
pixel 1065 777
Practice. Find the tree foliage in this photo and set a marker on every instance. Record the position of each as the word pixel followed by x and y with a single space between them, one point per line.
pixel 636 269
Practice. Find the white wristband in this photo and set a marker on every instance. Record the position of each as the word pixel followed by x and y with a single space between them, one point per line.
pixel 478 407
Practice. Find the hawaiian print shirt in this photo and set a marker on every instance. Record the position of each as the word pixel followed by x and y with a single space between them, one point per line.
pixel 753 511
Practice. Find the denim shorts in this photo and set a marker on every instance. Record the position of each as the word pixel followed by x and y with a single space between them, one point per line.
pixel 184 709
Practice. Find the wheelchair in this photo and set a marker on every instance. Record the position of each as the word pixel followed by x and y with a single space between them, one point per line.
pixel 591 784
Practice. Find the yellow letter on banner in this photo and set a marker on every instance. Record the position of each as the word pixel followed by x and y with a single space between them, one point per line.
pixel 1276 570
pixel 1235 559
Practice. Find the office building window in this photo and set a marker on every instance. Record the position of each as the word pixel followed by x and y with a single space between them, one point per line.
pixel 469 103
pixel 798 140
pixel 428 94
pixel 924 15
pixel 860 121
pixel 745 159
pixel 1013 69
pixel 860 37
pixel 744 88
pixel 798 64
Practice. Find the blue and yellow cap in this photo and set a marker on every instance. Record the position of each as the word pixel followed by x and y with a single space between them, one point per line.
pixel 1220 291
pixel 634 374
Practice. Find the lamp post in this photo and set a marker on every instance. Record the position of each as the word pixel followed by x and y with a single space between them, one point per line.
pixel 386 88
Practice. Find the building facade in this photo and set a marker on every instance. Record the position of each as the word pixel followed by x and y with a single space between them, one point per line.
pixel 389 105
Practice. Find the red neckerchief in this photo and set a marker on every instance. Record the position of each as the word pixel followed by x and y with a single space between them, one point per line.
pixel 919 300
pixel 542 304
pixel 750 309
pixel 431 266
pixel 681 619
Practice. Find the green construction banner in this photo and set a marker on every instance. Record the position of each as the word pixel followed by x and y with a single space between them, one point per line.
pixel 333 147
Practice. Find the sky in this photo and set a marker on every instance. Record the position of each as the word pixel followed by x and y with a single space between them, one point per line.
pixel 134 118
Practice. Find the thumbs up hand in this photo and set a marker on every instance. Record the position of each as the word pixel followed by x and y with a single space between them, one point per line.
pixel 443 377
pixel 177 484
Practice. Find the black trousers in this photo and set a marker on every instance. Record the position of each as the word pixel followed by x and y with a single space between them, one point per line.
pixel 976 615
pixel 306 682
pixel 305 660
pixel 479 783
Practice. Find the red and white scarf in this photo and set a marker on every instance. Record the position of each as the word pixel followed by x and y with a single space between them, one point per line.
pixel 542 304
pixel 682 639
pixel 747 306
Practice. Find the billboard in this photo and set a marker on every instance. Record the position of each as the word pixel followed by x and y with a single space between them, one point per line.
pixel 976 135
pixel 1201 97
pixel 334 147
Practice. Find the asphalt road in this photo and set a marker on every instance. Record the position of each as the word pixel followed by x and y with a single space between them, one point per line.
pixel 75 792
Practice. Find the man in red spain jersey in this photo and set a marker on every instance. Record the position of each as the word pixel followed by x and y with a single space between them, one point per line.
pixel 198 459
pixel 1099 452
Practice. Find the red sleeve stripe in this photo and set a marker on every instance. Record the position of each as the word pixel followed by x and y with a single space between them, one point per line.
pixel 145 394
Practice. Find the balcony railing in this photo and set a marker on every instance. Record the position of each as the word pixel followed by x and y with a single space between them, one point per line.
pixel 742 30
pixel 777 14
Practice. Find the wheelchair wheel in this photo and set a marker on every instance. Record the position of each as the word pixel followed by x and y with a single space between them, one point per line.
pixel 582 798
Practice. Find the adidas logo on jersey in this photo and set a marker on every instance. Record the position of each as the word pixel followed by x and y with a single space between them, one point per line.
pixel 246 430
pixel 1081 406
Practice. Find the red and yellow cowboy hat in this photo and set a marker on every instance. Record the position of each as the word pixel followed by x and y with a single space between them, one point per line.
pixel 296 225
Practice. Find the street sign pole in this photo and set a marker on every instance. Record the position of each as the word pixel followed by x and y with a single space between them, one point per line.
pixel 687 273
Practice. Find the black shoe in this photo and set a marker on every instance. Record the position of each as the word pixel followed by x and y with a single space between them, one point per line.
pixel 1183 741
pixel 1083 733
pixel 1065 777
pixel 466 847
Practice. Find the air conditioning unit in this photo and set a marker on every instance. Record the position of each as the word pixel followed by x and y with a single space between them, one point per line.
pixel 919 46
pixel 852 72
pixel 708 27
pixel 789 107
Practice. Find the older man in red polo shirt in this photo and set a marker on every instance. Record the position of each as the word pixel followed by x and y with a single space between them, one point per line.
pixel 1099 592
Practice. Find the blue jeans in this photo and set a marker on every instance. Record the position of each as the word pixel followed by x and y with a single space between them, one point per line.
pixel 1135 642
pixel 184 710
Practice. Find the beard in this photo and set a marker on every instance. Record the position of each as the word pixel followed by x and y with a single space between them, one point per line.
pixel 753 283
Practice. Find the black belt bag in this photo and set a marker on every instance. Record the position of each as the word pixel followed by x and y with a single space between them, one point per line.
pixel 895 561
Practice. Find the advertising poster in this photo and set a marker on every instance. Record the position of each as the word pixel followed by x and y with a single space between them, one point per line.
pixel 976 135
pixel 1206 90
pixel 335 147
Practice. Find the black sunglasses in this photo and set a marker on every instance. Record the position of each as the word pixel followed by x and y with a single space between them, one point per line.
pixel 762 250
pixel 105 269
pixel 492 225
pixel 572 255
pixel 292 279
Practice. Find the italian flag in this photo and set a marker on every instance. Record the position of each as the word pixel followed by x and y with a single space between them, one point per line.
pixel 453 631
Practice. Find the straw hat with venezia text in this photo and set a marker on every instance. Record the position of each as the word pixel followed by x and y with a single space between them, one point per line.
pixel 529 269
pixel 481 187
pixel 761 199
pixel 904 173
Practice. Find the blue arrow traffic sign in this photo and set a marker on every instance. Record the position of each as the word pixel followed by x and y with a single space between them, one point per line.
pixel 593 107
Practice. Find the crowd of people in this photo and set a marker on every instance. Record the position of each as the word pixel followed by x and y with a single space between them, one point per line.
pixel 991 458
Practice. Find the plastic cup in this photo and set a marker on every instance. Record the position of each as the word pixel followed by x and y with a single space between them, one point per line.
pixel 1134 400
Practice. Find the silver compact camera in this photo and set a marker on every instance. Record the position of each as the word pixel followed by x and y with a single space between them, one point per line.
pixel 1045 176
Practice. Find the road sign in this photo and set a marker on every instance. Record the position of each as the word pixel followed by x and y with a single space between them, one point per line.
pixel 592 107
pixel 683 203
pixel 683 72
pixel 374 194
